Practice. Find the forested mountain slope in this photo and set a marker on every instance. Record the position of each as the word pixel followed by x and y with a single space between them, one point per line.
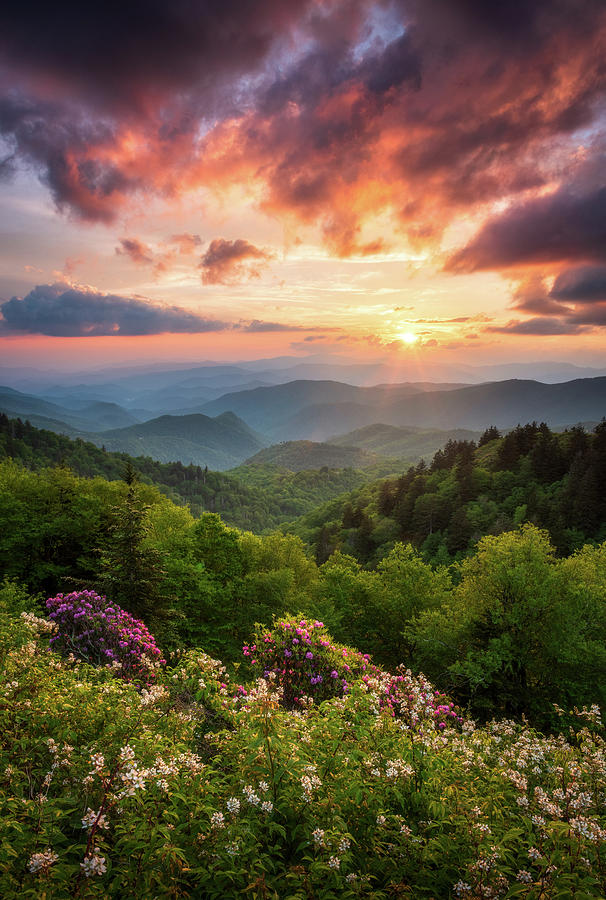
pixel 557 481
pixel 257 498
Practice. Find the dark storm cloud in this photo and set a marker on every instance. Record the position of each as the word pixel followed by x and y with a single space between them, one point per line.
pixel 227 261
pixel 70 312
pixel 563 226
pixel 117 50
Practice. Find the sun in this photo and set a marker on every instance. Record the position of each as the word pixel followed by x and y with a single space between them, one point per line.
pixel 407 337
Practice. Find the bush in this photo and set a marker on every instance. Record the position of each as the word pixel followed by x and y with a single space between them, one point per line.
pixel 107 792
pixel 101 633
pixel 306 665
pixel 304 661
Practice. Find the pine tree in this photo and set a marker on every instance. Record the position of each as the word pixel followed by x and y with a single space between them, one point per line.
pixel 131 572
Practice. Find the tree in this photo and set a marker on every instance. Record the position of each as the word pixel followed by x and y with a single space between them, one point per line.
pixel 131 572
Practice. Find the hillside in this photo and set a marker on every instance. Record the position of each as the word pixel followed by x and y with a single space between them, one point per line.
pixel 401 442
pixel 319 410
pixel 276 410
pixel 256 498
pixel 219 443
pixel 555 481
pixel 298 455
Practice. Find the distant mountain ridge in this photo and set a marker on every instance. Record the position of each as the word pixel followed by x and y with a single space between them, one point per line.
pixel 219 443
pixel 317 410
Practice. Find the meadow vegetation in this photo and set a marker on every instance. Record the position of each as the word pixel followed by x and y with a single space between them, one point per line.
pixel 190 710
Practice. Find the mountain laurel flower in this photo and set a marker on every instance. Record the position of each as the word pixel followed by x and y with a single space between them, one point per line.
pixel 41 862
pixel 344 844
pixel 217 820
pixel 267 806
pixel 381 820
pixel 318 837
pixel 233 805
pixel 334 862
pixel 251 795
pixel 90 817
pixel 93 864
pixel 524 877
pixel 97 762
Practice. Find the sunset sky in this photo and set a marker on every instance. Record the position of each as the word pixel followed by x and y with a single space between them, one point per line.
pixel 195 179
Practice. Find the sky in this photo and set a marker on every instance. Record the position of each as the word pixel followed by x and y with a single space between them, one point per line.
pixel 419 180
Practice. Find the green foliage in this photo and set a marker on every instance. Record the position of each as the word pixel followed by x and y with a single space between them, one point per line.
pixel 256 497
pixel 554 481
pixel 193 789
pixel 521 631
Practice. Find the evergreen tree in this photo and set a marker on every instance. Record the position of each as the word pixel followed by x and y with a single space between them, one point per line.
pixel 131 570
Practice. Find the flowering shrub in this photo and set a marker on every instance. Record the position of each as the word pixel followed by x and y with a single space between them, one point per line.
pixel 101 633
pixel 302 657
pixel 105 793
pixel 306 664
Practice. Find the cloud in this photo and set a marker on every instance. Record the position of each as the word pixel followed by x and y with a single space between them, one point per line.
pixel 79 312
pixel 186 242
pixel 136 250
pixel 227 262
pixel 562 226
pixel 332 114
pixel 582 283
pixel 575 304
pixel 256 326
pixel 539 326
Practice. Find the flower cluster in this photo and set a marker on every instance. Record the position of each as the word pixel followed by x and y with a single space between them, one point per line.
pixel 302 658
pixel 99 632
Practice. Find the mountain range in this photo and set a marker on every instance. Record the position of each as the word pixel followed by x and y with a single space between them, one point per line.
pixel 226 431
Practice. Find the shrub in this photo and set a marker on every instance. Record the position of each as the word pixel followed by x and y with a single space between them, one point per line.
pixel 304 662
pixel 101 633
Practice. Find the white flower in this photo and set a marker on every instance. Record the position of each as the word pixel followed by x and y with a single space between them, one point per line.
pixel 217 820
pixel 233 805
pixel 93 865
pixel 334 862
pixel 318 837
pixel 250 795
pixel 267 806
pixel 91 817
pixel 41 862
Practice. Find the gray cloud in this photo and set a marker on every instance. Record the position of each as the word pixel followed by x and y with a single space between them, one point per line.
pixel 63 311
pixel 540 325
pixel 136 250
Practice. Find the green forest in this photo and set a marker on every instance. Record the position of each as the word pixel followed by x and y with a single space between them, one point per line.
pixel 557 481
pixel 396 695
pixel 254 497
